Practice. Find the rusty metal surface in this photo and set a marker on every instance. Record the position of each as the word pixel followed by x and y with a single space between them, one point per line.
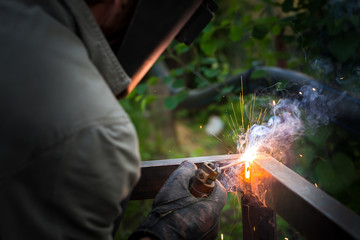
pixel 308 209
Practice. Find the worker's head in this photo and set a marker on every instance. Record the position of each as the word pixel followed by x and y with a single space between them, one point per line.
pixel 140 30
pixel 113 16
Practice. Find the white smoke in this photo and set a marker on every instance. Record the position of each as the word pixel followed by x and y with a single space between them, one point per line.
pixel 286 124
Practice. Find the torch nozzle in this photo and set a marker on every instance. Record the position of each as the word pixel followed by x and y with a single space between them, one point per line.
pixel 233 164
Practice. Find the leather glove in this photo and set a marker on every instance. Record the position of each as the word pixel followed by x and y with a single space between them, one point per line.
pixel 177 214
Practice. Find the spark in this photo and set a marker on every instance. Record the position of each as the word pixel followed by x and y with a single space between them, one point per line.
pixel 232 105
pixel 300 155
pixel 286 238
pixel 341 78
pixel 274 103
pixel 264 114
pixel 247 171
pixel 200 126
pixel 222 236
pixel 300 93
pixel 315 185
pixel 254 228
pixel 314 89
pixel 242 104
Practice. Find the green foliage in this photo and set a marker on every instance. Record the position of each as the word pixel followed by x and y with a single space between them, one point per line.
pixel 137 212
pixel 231 222
pixel 329 158
pixel 336 174
pixel 172 101
pixel 317 37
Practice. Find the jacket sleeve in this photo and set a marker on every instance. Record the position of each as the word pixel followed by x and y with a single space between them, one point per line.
pixel 100 166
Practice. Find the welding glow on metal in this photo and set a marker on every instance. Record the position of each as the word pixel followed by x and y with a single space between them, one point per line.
pixel 246 157
pixel 274 137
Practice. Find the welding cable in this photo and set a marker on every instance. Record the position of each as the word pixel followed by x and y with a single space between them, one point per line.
pixel 347 107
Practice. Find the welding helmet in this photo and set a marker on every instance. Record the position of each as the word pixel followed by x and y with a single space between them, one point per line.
pixel 154 24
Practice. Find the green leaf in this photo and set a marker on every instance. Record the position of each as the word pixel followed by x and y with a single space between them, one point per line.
pixel 258 7
pixel 138 98
pixel 209 72
pixel 146 101
pixel 171 102
pixel 177 72
pixel 209 29
pixel 225 22
pixel 153 80
pixel 260 30
pixel 326 176
pixel 262 26
pixel 200 82
pixel 131 95
pixel 181 96
pixel 235 32
pixel 276 30
pixel 168 79
pixel 208 60
pixel 226 90
pixel 258 74
pixel 336 175
pixel 344 168
pixel 343 47
pixel 306 156
pixel 319 137
pixel 178 83
pixel 181 48
pixel 208 46
pixel 141 88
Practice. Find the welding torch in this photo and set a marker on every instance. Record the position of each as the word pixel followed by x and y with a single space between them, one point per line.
pixel 202 184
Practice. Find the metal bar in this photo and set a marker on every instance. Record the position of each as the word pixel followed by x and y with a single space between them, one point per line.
pixel 259 221
pixel 308 209
pixel 155 173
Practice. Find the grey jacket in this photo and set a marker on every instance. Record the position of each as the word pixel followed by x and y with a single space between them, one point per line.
pixel 68 151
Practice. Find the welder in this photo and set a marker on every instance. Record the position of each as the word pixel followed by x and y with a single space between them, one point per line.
pixel 68 151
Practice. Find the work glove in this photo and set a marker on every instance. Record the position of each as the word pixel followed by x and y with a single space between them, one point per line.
pixel 177 214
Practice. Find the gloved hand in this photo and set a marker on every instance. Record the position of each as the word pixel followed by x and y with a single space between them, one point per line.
pixel 177 214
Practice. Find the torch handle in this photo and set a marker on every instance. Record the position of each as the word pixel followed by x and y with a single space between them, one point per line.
pixel 202 184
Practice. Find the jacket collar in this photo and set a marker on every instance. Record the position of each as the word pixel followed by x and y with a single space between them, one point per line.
pixel 99 49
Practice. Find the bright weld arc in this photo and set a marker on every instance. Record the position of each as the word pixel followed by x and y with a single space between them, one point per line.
pixel 247 170
pixel 233 164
